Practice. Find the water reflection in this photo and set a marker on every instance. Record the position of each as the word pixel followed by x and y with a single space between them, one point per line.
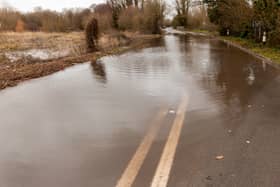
pixel 224 70
pixel 99 71
pixel 243 80
pixel 234 81
pixel 251 77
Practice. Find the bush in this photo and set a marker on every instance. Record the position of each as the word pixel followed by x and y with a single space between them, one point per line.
pixel 20 26
pixel 235 15
pixel 274 38
pixel 8 19
pixel 129 19
pixel 180 20
pixel 153 16
pixel 103 13
pixel 104 22
pixel 198 19
pixel 92 33
pixel 148 20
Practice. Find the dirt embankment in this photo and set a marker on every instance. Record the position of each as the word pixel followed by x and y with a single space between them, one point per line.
pixel 26 56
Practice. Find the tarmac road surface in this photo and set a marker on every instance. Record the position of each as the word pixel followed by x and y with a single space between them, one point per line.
pixel 190 111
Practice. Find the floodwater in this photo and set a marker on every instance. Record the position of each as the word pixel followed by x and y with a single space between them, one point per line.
pixel 39 54
pixel 81 126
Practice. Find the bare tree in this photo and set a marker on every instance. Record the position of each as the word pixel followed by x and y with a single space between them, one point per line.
pixel 182 6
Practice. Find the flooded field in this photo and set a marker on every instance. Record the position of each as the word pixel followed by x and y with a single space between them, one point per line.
pixel 39 54
pixel 81 126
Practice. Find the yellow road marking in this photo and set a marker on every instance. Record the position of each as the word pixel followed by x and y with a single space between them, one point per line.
pixel 137 160
pixel 163 170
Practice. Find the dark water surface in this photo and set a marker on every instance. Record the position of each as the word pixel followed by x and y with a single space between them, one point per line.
pixel 81 126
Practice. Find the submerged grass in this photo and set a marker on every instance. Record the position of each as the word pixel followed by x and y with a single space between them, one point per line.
pixel 203 31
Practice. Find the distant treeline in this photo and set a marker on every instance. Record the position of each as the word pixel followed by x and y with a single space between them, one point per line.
pixel 43 20
pixel 115 14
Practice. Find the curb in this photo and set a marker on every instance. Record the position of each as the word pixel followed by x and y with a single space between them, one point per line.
pixel 263 58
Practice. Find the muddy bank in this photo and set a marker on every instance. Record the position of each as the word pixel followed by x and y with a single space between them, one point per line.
pixel 14 72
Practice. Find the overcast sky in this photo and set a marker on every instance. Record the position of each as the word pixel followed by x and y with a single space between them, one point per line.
pixel 28 5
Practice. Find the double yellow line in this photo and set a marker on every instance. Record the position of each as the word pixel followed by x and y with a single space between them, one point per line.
pixel 163 169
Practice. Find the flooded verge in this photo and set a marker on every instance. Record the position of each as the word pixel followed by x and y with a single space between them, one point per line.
pixel 36 54
pixel 81 126
pixel 18 66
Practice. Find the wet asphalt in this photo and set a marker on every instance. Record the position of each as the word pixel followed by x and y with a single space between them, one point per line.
pixel 82 126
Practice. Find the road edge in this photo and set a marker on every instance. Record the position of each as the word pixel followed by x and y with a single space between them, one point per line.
pixel 249 51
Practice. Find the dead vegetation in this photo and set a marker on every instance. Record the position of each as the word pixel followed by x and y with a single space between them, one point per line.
pixel 11 41
pixel 11 73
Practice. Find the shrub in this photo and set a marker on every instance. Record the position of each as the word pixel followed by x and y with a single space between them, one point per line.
pixel 131 19
pixel 180 20
pixel 8 19
pixel 153 16
pixel 20 26
pixel 92 35
pixel 104 22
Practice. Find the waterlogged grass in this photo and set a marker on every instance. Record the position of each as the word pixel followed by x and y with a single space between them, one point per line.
pixel 268 52
pixel 201 31
pixel 12 41
pixel 206 32
pixel 12 73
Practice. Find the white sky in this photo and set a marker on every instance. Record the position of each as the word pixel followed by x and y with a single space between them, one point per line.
pixel 28 5
pixel 58 5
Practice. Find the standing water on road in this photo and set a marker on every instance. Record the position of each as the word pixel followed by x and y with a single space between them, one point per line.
pixel 81 126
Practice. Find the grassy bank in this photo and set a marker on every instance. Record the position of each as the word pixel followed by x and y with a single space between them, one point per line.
pixel 14 72
pixel 204 32
pixel 272 54
pixel 201 31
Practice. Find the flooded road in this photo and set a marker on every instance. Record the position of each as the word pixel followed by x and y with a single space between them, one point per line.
pixel 100 124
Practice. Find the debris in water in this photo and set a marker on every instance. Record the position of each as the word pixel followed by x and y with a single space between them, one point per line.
pixel 41 54
pixel 251 78
pixel 249 106
pixel 229 131
pixel 220 157
pixel 171 111
pixel 248 141
pixel 209 178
